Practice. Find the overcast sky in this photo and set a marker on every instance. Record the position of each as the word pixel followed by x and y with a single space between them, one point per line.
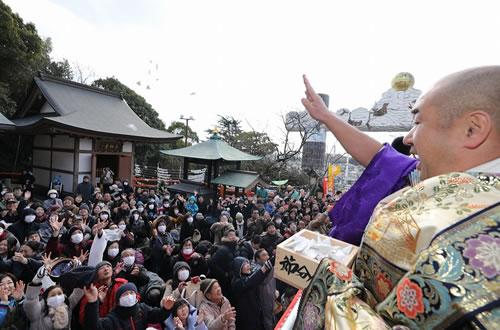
pixel 246 58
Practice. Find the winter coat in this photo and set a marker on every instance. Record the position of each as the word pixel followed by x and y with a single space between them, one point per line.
pixel 190 324
pixel 267 297
pixel 158 255
pixel 204 226
pixel 21 229
pixel 191 292
pixel 24 272
pixel 246 297
pixel 220 265
pixel 48 203
pixel 35 308
pixel 218 230
pixel 245 250
pixel 187 229
pixel 120 318
pixel 86 189
pixel 191 206
pixel 269 242
pixel 214 314
pixel 109 301
pixel 198 265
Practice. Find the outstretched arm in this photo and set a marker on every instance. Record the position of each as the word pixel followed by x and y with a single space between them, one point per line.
pixel 359 145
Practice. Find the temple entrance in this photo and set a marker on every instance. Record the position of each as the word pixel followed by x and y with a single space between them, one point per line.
pixel 106 161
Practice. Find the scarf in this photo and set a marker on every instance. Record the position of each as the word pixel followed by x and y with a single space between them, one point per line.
pixel 59 316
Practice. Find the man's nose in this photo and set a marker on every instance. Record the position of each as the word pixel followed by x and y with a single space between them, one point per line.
pixel 408 139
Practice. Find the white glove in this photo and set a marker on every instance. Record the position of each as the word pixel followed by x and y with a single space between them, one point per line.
pixel 41 273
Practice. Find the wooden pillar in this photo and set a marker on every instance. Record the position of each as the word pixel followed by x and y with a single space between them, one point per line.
pixel 50 171
pixel 209 175
pixel 216 169
pixel 185 168
pixel 93 178
pixel 76 162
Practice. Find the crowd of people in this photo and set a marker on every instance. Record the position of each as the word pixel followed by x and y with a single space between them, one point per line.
pixel 123 257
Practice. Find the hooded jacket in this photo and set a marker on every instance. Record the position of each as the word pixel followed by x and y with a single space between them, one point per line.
pixel 191 205
pixel 35 308
pixel 246 296
pixel 21 228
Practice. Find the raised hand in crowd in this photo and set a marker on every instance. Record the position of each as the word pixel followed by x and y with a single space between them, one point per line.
pixel 18 292
pixel 48 262
pixel 168 303
pixel 56 224
pixel 91 293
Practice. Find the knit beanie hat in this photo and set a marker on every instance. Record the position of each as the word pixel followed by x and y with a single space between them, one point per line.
pixel 206 285
pixel 102 264
pixel 124 288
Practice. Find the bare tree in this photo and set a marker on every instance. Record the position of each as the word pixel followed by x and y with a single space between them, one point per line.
pixel 295 122
pixel 83 74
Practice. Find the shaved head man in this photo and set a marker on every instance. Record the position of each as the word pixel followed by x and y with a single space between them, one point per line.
pixel 457 123
pixel 428 254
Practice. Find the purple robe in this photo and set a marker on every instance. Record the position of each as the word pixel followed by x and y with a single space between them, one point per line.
pixel 386 174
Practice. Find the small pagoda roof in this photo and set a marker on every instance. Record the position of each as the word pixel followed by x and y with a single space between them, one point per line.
pixel 59 105
pixel 212 149
pixel 240 179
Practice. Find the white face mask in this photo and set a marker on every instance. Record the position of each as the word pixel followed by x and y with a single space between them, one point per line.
pixel 136 217
pixel 166 205
pixel 187 250
pixel 122 226
pixel 140 209
pixel 77 238
pixel 176 212
pixel 183 274
pixel 190 220
pixel 278 221
pixel 151 206
pixel 55 301
pixel 129 261
pixel 162 229
pixel 125 183
pixel 53 196
pixel 104 216
pixel 128 300
pixel 113 252
pixel 29 218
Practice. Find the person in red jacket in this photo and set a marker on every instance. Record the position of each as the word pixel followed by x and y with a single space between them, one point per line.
pixel 107 287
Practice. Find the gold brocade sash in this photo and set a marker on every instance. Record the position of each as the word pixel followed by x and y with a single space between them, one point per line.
pixel 405 222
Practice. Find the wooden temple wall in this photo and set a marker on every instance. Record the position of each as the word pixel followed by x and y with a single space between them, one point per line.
pixel 65 156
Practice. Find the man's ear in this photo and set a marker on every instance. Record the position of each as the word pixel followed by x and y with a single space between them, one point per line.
pixel 479 126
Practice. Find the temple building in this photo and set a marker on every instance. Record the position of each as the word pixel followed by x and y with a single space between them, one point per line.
pixel 79 130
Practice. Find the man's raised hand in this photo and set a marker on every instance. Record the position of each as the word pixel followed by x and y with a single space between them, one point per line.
pixel 313 102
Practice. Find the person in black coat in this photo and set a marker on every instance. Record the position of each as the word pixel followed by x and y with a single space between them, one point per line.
pixel 196 262
pixel 245 285
pixel 247 248
pixel 25 225
pixel 203 225
pixel 85 189
pixel 127 314
pixel 220 263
